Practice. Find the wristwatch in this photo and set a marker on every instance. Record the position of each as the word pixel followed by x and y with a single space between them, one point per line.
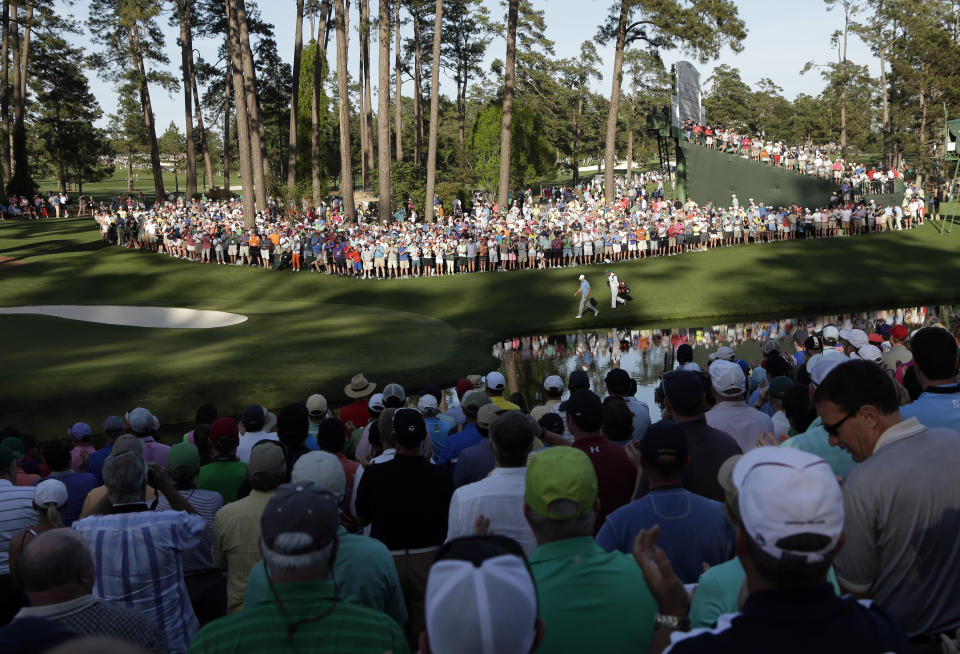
pixel 672 622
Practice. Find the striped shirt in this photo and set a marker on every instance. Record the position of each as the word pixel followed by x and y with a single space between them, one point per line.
pixel 324 626
pixel 206 503
pixel 138 562
pixel 16 512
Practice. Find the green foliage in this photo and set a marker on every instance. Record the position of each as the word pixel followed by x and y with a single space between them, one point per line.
pixel 532 156
pixel 408 183
pixel 328 127
pixel 64 114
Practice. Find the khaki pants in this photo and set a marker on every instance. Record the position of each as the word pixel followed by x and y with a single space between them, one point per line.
pixel 412 569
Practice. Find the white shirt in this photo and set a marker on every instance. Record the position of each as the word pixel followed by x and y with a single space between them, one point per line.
pixel 743 423
pixel 499 497
pixel 251 438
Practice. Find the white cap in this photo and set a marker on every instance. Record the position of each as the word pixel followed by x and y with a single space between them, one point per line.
pixel 376 402
pixel 141 420
pixel 723 353
pixel 786 492
pixel 495 381
pixel 553 382
pixel 858 338
pixel 868 352
pixel 323 469
pixel 484 608
pixel 727 378
pixel 50 491
pixel 824 366
pixel 582 277
pixel 394 390
pixel 427 403
pixel 769 346
pixel 831 332
pixel 845 334
pixel 317 404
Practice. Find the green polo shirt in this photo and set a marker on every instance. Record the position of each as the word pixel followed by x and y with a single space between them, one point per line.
pixel 364 571
pixel 224 477
pixel 262 628
pixel 591 600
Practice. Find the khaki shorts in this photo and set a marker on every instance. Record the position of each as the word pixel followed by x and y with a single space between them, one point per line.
pixel 404 264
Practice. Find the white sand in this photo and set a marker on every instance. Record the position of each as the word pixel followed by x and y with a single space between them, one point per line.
pixel 158 317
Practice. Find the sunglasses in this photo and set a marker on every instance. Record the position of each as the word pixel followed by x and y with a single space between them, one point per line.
pixel 834 428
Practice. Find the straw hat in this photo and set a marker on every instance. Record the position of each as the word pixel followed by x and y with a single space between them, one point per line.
pixel 359 386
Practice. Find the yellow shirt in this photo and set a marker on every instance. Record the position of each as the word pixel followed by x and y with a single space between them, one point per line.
pixel 503 403
pixel 236 543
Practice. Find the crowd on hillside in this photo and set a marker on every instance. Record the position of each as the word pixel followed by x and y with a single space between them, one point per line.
pixel 822 161
pixel 749 518
pixel 567 228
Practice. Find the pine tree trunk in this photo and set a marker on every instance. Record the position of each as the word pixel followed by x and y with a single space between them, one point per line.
pixel 346 164
pixel 148 117
pixel 366 118
pixel 611 143
pixel 576 142
pixel 201 130
pixel 20 181
pixel 506 124
pixel 295 102
pixel 418 95
pixel 130 170
pixel 633 112
pixel 383 111
pixel 186 59
pixel 320 55
pixel 5 93
pixel 434 115
pixel 244 131
pixel 397 101
pixel 461 109
pixel 228 87
pixel 258 148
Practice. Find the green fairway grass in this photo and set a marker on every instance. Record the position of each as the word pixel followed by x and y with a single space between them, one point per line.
pixel 310 333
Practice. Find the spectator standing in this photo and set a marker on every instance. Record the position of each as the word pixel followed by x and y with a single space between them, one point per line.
pixel 731 413
pixel 16 513
pixel 299 544
pixel 590 600
pixel 495 385
pixel 236 527
pixel 357 414
pixel 138 552
pixel 474 429
pixel 81 433
pixel 16 445
pixel 694 531
pixel 144 426
pixel 620 384
pixel 935 363
pixel 406 501
pixel 901 545
pixel 253 422
pixel 225 474
pixel 498 498
pixel 616 476
pixel 205 583
pixel 113 428
pixel 49 500
pixel 59 575
pixel 79 484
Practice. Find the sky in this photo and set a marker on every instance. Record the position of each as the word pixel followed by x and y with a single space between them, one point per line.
pixel 782 35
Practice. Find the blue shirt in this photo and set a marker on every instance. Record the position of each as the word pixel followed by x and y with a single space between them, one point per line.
pixel 438 430
pixel 475 463
pixel 693 529
pixel 938 406
pixel 96 460
pixel 816 440
pixel 584 287
pixel 459 442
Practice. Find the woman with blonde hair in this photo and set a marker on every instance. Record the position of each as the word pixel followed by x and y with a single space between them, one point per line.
pixel 49 500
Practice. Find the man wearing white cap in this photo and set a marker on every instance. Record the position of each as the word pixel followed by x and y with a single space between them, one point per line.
pixel 481 599
pixel 495 385
pixel 731 413
pixel 903 536
pixel 792 527
pixel 815 439
pixel 584 293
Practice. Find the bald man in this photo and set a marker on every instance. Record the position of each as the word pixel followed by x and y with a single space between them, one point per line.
pixel 58 575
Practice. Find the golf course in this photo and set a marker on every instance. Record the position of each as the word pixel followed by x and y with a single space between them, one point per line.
pixel 306 333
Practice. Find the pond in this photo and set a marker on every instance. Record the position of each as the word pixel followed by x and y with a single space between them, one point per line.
pixel 646 353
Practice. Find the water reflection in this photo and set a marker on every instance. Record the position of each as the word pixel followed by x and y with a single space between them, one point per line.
pixel 645 353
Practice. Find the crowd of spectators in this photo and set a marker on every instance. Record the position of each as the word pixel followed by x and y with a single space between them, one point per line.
pixel 743 520
pixel 821 161
pixel 570 227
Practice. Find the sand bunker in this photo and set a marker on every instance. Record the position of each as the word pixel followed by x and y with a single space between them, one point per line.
pixel 154 317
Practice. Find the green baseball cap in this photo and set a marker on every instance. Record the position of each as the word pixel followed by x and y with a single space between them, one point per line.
pixel 560 473
pixel 183 455
pixel 779 387
pixel 15 445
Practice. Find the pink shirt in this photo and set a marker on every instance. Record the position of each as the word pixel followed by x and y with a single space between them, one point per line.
pixel 76 455
pixel 154 451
